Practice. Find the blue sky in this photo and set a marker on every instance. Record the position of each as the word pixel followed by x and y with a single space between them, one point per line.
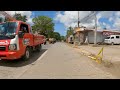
pixel 65 19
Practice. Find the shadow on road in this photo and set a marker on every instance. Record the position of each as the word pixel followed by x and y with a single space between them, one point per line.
pixel 20 62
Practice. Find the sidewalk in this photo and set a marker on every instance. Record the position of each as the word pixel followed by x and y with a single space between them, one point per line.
pixel 110 53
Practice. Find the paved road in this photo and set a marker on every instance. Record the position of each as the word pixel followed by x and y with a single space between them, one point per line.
pixel 55 61
pixel 63 62
pixel 14 69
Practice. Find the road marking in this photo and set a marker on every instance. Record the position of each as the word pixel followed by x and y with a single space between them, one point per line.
pixel 32 64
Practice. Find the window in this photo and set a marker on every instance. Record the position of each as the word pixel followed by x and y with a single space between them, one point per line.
pixel 107 37
pixel 8 28
pixel 112 37
pixel 117 37
pixel 24 28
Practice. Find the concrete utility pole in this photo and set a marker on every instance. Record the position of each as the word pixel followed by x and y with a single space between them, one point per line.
pixel 95 32
pixel 78 19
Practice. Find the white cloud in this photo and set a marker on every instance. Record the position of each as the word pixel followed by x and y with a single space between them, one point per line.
pixel 108 26
pixel 116 20
pixel 10 12
pixel 117 13
pixel 29 21
pixel 104 23
pixel 111 19
pixel 117 23
pixel 27 13
pixel 69 18
pixel 105 14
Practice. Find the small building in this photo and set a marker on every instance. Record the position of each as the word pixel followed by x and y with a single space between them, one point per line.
pixel 79 34
pixel 101 35
pixel 82 33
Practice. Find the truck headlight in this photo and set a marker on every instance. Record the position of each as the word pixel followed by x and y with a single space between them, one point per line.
pixel 12 47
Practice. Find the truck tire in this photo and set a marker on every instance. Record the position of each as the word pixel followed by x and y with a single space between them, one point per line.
pixel 27 54
pixel 112 43
pixel 44 43
pixel 39 47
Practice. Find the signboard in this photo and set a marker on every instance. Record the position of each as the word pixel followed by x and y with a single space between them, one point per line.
pixel 108 33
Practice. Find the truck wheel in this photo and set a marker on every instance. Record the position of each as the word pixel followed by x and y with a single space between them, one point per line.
pixel 27 54
pixel 44 43
pixel 112 43
pixel 39 48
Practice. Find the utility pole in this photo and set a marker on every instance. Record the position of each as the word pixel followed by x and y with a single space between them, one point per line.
pixel 78 28
pixel 95 31
pixel 78 19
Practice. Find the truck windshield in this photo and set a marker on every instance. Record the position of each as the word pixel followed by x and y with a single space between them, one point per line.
pixel 8 29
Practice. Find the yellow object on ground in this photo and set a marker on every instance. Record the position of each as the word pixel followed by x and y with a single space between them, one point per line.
pixel 98 58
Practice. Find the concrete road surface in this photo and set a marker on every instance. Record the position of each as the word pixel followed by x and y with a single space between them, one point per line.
pixel 55 61
pixel 14 69
pixel 63 62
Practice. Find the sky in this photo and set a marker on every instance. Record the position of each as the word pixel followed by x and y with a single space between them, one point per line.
pixel 65 19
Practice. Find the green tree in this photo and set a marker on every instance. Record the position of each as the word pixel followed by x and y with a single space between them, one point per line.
pixel 70 31
pixel 44 25
pixel 62 37
pixel 57 36
pixel 51 34
pixel 18 16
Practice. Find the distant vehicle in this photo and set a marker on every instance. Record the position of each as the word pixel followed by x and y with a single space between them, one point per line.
pixel 52 40
pixel 112 39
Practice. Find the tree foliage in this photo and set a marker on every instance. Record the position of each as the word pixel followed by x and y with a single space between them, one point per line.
pixel 62 37
pixel 57 36
pixel 44 25
pixel 70 31
pixel 18 16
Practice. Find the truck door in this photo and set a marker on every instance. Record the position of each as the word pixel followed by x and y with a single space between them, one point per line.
pixel 28 37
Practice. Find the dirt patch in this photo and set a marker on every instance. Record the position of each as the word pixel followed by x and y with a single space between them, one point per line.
pixel 111 67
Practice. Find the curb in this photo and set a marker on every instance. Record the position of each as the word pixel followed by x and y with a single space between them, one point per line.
pixel 88 54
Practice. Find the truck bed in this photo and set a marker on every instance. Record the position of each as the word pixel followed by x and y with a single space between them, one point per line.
pixel 38 39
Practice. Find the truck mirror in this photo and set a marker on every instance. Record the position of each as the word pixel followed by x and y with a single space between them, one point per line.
pixel 20 34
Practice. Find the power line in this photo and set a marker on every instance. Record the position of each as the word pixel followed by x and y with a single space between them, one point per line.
pixel 93 13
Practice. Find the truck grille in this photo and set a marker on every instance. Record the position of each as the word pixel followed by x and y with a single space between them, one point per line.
pixel 2 48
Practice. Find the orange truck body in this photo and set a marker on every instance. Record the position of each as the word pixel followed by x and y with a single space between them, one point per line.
pixel 29 40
